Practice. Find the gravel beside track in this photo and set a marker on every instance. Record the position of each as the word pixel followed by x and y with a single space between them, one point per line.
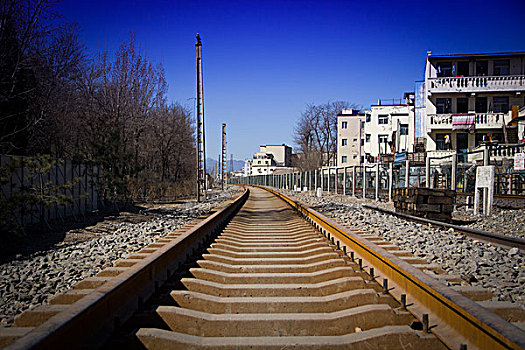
pixel 501 270
pixel 32 280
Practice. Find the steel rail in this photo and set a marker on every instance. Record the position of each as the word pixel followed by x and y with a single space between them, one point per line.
pixel 456 320
pixel 91 320
pixel 508 241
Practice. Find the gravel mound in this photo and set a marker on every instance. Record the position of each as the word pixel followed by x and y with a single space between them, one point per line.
pixel 31 281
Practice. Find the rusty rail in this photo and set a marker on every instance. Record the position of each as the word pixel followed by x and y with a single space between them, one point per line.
pixel 456 320
pixel 92 319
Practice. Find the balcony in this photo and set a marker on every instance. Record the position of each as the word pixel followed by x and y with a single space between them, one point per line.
pixel 476 84
pixel 480 121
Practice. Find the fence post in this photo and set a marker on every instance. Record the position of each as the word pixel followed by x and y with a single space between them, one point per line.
pixel 407 173
pixel 390 181
pixel 377 181
pixel 336 179
pixel 454 172
pixel 315 181
pixel 353 181
pixel 364 181
pixel 328 181
pixel 427 172
pixel 344 181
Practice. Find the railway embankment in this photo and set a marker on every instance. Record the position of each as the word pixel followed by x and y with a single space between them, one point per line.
pixel 31 280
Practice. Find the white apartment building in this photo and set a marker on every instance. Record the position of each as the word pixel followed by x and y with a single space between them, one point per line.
pixel 350 139
pixel 263 164
pixel 389 128
pixel 470 98
pixel 282 154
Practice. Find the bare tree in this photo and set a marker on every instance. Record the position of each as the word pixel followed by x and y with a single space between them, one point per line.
pixel 109 111
pixel 315 134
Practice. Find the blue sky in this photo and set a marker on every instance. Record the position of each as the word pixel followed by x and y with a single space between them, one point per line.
pixel 265 60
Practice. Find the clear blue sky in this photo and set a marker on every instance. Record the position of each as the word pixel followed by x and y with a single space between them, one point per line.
pixel 265 60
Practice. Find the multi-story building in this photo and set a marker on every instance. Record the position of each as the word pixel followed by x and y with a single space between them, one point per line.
pixel 350 139
pixel 282 154
pixel 471 98
pixel 263 164
pixel 389 128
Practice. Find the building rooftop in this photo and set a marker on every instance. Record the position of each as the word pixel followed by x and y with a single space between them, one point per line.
pixel 484 54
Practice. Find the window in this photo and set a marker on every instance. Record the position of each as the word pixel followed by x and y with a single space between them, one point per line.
pixel 444 69
pixel 463 69
pixel 501 67
pixel 355 156
pixel 343 159
pixel 344 125
pixel 482 68
pixel 481 105
pixel 383 140
pixel 362 142
pixel 497 136
pixel 462 105
pixel 501 104
pixel 344 142
pixel 443 105
pixel 368 117
pixel 481 137
pixel 403 129
pixel 367 137
pixel 382 119
pixel 355 139
pixel 362 125
pixel 443 142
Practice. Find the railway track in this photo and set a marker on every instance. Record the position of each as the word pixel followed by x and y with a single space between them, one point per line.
pixel 278 275
pixel 504 240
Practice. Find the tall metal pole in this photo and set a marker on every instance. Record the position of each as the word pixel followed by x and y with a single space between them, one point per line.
pixel 201 155
pixel 224 155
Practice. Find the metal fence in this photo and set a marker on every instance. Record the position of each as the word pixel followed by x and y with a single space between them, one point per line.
pixel 453 170
pixel 83 190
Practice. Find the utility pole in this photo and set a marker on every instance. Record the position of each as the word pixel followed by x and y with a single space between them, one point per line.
pixel 201 154
pixel 224 155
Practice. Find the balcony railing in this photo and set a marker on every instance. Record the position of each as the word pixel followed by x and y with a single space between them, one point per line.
pixel 481 120
pixel 474 84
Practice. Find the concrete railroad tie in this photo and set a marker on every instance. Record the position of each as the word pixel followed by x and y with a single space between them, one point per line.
pixel 271 281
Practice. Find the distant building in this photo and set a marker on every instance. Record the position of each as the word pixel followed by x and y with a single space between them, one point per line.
pixel 282 154
pixel 247 169
pixel 471 98
pixel 263 164
pixel 389 128
pixel 350 138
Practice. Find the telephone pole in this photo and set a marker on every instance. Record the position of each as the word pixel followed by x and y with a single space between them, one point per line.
pixel 201 155
pixel 224 155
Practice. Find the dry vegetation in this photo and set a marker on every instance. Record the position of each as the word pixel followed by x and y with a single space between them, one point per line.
pixel 109 110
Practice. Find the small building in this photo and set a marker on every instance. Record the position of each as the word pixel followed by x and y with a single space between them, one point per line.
pixel 247 169
pixel 282 154
pixel 350 140
pixel 263 164
pixel 389 128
